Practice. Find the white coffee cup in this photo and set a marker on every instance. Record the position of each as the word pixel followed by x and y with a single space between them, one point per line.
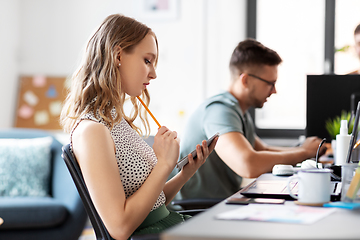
pixel 314 186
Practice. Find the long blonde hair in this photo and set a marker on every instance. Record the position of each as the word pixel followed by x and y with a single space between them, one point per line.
pixel 96 85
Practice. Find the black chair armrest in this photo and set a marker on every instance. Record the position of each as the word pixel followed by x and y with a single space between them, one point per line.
pixel 153 236
pixel 197 203
pixel 191 212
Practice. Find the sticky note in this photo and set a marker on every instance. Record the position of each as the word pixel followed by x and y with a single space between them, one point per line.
pixel 41 118
pixel 51 92
pixel 30 98
pixel 39 81
pixel 55 108
pixel 25 111
pixel 345 205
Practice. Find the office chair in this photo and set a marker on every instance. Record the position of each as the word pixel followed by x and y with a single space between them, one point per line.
pixel 100 230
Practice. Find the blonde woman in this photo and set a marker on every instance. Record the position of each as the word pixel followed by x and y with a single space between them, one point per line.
pixel 126 178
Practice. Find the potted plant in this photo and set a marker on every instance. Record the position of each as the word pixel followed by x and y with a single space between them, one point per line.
pixel 333 125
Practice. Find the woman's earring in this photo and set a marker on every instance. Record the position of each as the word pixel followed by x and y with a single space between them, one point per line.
pixel 119 64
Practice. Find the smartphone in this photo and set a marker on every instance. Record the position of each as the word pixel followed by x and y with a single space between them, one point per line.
pixel 182 162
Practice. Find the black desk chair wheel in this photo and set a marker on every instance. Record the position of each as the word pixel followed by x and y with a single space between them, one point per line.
pixel 100 230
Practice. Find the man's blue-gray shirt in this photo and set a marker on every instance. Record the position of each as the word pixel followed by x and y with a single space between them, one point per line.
pixel 222 114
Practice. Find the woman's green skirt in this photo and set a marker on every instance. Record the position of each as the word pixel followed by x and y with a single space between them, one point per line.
pixel 159 220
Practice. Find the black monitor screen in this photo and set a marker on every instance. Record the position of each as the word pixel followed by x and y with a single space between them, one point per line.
pixel 327 96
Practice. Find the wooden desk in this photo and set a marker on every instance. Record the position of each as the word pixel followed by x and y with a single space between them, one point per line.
pixel 342 224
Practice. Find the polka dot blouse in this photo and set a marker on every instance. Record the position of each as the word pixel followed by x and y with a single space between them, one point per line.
pixel 135 158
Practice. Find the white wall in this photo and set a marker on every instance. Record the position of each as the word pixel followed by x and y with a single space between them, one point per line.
pixel 46 37
pixel 9 58
pixel 226 28
pixel 53 33
pixel 347 18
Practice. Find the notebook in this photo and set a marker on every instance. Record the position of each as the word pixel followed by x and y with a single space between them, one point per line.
pixel 270 186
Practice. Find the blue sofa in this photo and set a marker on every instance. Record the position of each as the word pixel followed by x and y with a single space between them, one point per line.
pixel 61 215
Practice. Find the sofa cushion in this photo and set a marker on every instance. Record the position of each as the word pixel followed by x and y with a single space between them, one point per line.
pixel 31 212
pixel 25 166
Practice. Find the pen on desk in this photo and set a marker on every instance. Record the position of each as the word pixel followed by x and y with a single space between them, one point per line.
pixel 148 110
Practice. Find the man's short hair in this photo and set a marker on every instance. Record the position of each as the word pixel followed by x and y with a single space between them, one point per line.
pixel 251 54
pixel 357 30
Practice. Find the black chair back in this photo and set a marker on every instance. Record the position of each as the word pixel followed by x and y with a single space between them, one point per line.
pixel 75 171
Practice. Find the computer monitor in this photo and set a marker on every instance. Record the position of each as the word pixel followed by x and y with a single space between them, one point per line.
pixel 354 134
pixel 326 97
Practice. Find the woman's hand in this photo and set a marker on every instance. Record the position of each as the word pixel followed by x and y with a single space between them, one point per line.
pixel 203 151
pixel 175 184
pixel 166 147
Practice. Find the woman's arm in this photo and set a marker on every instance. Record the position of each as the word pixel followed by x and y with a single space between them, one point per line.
pixel 94 149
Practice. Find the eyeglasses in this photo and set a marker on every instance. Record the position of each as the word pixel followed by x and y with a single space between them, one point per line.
pixel 272 84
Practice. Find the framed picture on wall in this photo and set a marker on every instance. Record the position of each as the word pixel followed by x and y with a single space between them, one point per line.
pixel 156 9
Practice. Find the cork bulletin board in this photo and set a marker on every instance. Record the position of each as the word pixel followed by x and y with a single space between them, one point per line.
pixel 39 103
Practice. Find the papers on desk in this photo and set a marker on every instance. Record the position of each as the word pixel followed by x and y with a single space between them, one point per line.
pixel 277 213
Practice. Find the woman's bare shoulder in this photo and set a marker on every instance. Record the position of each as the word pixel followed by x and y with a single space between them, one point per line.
pixel 89 128
pixel 90 133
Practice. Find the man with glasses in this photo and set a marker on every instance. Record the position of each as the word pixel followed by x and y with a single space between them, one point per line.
pixel 239 152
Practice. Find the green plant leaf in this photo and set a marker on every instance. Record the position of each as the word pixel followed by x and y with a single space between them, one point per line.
pixel 333 125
